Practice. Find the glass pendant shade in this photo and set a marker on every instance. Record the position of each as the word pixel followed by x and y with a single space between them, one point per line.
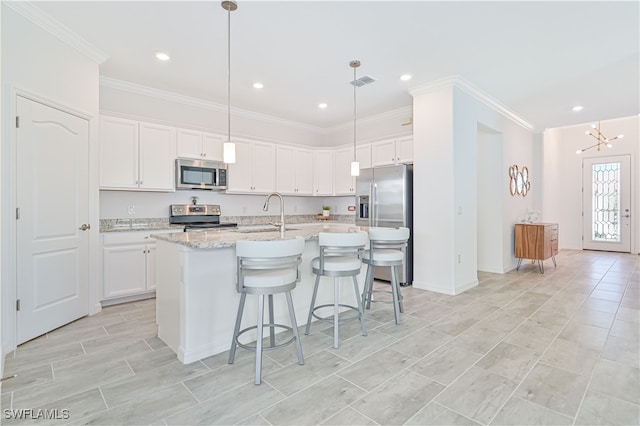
pixel 229 152
pixel 355 168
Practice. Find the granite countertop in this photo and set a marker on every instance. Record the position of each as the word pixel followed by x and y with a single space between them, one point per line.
pixel 156 224
pixel 220 238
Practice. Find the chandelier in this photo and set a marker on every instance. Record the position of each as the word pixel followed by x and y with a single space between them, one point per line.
pixel 600 138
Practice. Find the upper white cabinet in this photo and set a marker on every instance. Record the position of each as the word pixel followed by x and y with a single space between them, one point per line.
pixel 294 171
pixel 344 183
pixel 136 155
pixel 323 173
pixel 199 145
pixel 363 155
pixel 392 151
pixel 255 168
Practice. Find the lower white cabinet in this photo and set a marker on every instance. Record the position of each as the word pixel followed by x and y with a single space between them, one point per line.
pixel 128 264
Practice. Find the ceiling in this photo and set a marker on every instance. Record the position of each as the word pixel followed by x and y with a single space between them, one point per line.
pixel 539 59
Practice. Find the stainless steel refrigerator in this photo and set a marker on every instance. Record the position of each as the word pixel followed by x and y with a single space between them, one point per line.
pixel 384 197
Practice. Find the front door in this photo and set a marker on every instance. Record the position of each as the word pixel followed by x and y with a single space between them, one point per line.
pixel 53 205
pixel 606 203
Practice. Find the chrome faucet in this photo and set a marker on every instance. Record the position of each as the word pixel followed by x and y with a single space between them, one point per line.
pixel 266 208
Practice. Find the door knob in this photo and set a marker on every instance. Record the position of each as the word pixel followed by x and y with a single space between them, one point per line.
pixel 84 227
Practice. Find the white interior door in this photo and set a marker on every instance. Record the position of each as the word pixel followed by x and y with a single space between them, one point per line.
pixel 606 201
pixel 52 198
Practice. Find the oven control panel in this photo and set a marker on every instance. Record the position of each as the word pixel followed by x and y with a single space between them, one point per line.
pixel 195 209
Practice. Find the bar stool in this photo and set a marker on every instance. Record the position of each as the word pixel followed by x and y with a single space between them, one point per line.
pixel 386 248
pixel 339 257
pixel 267 268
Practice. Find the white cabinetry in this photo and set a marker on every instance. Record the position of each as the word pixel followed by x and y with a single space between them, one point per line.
pixel 255 168
pixel 136 155
pixel 363 155
pixel 345 184
pixel 392 151
pixel 294 171
pixel 129 265
pixel 323 173
pixel 199 145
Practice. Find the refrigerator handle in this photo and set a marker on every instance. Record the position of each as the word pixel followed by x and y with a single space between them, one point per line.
pixel 373 210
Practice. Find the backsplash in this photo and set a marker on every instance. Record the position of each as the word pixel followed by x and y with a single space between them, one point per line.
pixel 155 223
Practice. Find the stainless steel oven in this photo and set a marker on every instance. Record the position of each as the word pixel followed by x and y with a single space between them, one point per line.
pixel 200 174
pixel 197 216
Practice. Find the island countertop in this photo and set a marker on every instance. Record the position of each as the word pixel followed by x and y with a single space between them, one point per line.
pixel 196 293
pixel 221 238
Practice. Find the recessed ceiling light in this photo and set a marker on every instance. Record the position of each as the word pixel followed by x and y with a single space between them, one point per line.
pixel 258 85
pixel 577 108
pixel 322 105
pixel 405 77
pixel 163 56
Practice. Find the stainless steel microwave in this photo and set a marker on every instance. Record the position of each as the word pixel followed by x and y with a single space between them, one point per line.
pixel 200 174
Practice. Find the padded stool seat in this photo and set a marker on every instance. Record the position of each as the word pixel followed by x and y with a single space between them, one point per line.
pixel 339 257
pixel 266 268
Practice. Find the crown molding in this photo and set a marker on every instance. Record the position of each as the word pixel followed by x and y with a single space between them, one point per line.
pixel 36 15
pixel 462 84
pixel 200 103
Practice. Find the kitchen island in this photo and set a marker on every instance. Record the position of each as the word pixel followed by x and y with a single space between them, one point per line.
pixel 196 294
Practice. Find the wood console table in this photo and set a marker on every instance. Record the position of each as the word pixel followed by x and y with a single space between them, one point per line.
pixel 536 241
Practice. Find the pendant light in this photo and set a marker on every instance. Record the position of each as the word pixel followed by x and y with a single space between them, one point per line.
pixel 355 165
pixel 229 148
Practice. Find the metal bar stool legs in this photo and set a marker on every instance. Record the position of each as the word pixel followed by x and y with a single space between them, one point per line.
pixel 259 348
pixel 386 250
pixel 266 268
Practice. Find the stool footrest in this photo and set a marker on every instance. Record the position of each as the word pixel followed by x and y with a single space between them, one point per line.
pixel 265 348
pixel 341 319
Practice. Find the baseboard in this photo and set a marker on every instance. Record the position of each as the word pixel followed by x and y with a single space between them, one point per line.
pixel 127 299
pixel 204 351
pixel 445 289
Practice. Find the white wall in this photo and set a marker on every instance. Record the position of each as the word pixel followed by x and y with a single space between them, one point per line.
pixel 36 63
pixel 2 138
pixel 167 108
pixel 446 121
pixel 392 124
pixel 562 198
pixel 490 195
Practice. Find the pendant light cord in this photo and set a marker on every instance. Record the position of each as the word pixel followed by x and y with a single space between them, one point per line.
pixel 229 73
pixel 354 115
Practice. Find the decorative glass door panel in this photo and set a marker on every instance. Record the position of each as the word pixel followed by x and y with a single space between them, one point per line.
pixel 606 204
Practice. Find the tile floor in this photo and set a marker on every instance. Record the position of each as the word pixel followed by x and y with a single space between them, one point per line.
pixel 520 349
